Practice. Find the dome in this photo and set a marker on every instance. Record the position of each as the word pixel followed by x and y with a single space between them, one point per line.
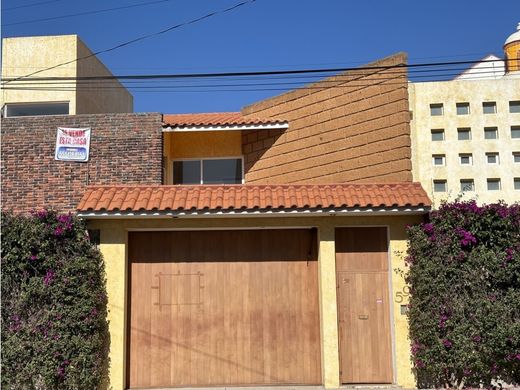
pixel 514 36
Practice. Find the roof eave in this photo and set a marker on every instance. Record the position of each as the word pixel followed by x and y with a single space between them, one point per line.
pixel 220 213
pixel 267 126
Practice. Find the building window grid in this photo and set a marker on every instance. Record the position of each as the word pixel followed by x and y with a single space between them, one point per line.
pixel 514 106
pixel 440 186
pixel 439 159
pixel 489 107
pixel 490 133
pixel 493 184
pixel 462 108
pixel 436 109
pixel 466 159
pixel 467 185
pixel 464 133
pixel 493 158
pixel 437 134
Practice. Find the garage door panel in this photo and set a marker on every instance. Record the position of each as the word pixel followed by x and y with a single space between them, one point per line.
pixel 224 320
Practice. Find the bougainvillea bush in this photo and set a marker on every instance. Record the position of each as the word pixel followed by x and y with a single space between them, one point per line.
pixel 464 278
pixel 54 328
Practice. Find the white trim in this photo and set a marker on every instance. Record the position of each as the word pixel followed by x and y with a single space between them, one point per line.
pixel 271 126
pixel 255 213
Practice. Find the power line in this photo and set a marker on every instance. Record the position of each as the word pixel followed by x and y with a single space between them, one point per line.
pixel 143 37
pixel 323 72
pixel 238 87
pixel 87 12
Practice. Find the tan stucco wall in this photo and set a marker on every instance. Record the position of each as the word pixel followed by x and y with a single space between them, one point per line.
pixel 474 92
pixel 24 55
pixel 200 144
pixel 21 56
pixel 114 244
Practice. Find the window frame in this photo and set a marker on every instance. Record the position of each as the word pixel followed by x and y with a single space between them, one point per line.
pixel 462 105
pixel 514 105
pixel 487 105
pixel 442 156
pixel 515 128
pixel 201 159
pixel 8 105
pixel 495 154
pixel 464 130
pixel 437 131
pixel 437 105
pixel 469 155
pixel 467 181
pixel 493 180
pixel 488 130
pixel 440 181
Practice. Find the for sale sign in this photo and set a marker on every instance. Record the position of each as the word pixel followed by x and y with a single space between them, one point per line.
pixel 72 144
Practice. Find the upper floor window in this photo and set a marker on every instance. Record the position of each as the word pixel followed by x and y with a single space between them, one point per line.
pixel 467 185
pixel 462 108
pixel 208 171
pixel 436 109
pixel 493 184
pixel 489 107
pixel 515 132
pixel 492 158
pixel 516 157
pixel 439 159
pixel 463 133
pixel 490 133
pixel 466 159
pixel 437 134
pixel 440 186
pixel 33 109
pixel 514 106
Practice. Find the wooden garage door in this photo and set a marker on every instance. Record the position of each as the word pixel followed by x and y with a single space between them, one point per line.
pixel 223 308
pixel 363 305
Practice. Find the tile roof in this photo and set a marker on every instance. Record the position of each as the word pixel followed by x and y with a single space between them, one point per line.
pixel 238 198
pixel 216 119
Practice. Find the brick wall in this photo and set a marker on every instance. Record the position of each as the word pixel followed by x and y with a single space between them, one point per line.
pixel 354 127
pixel 124 149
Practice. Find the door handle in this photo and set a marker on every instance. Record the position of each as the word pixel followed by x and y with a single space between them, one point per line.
pixel 363 316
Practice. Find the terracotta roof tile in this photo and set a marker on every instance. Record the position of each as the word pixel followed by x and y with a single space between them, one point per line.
pixel 216 119
pixel 251 197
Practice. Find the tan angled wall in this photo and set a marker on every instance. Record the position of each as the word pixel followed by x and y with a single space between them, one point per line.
pixel 97 97
pixel 353 127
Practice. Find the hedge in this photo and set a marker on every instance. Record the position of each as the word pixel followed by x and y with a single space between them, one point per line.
pixel 54 304
pixel 464 311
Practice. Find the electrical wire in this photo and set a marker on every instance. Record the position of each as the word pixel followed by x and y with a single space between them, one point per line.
pixel 87 12
pixel 141 38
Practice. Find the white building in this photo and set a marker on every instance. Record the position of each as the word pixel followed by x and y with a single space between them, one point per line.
pixel 466 132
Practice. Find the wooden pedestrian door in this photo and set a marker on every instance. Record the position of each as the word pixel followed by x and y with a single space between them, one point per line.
pixel 363 305
pixel 217 308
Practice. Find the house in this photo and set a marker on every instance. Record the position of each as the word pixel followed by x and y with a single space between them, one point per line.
pixel 259 247
pixel 38 57
pixel 466 131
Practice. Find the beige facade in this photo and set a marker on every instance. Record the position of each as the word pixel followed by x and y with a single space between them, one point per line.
pixel 464 135
pixel 114 247
pixel 24 55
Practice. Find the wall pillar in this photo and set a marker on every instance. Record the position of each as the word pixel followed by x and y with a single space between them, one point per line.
pixel 112 247
pixel 328 307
